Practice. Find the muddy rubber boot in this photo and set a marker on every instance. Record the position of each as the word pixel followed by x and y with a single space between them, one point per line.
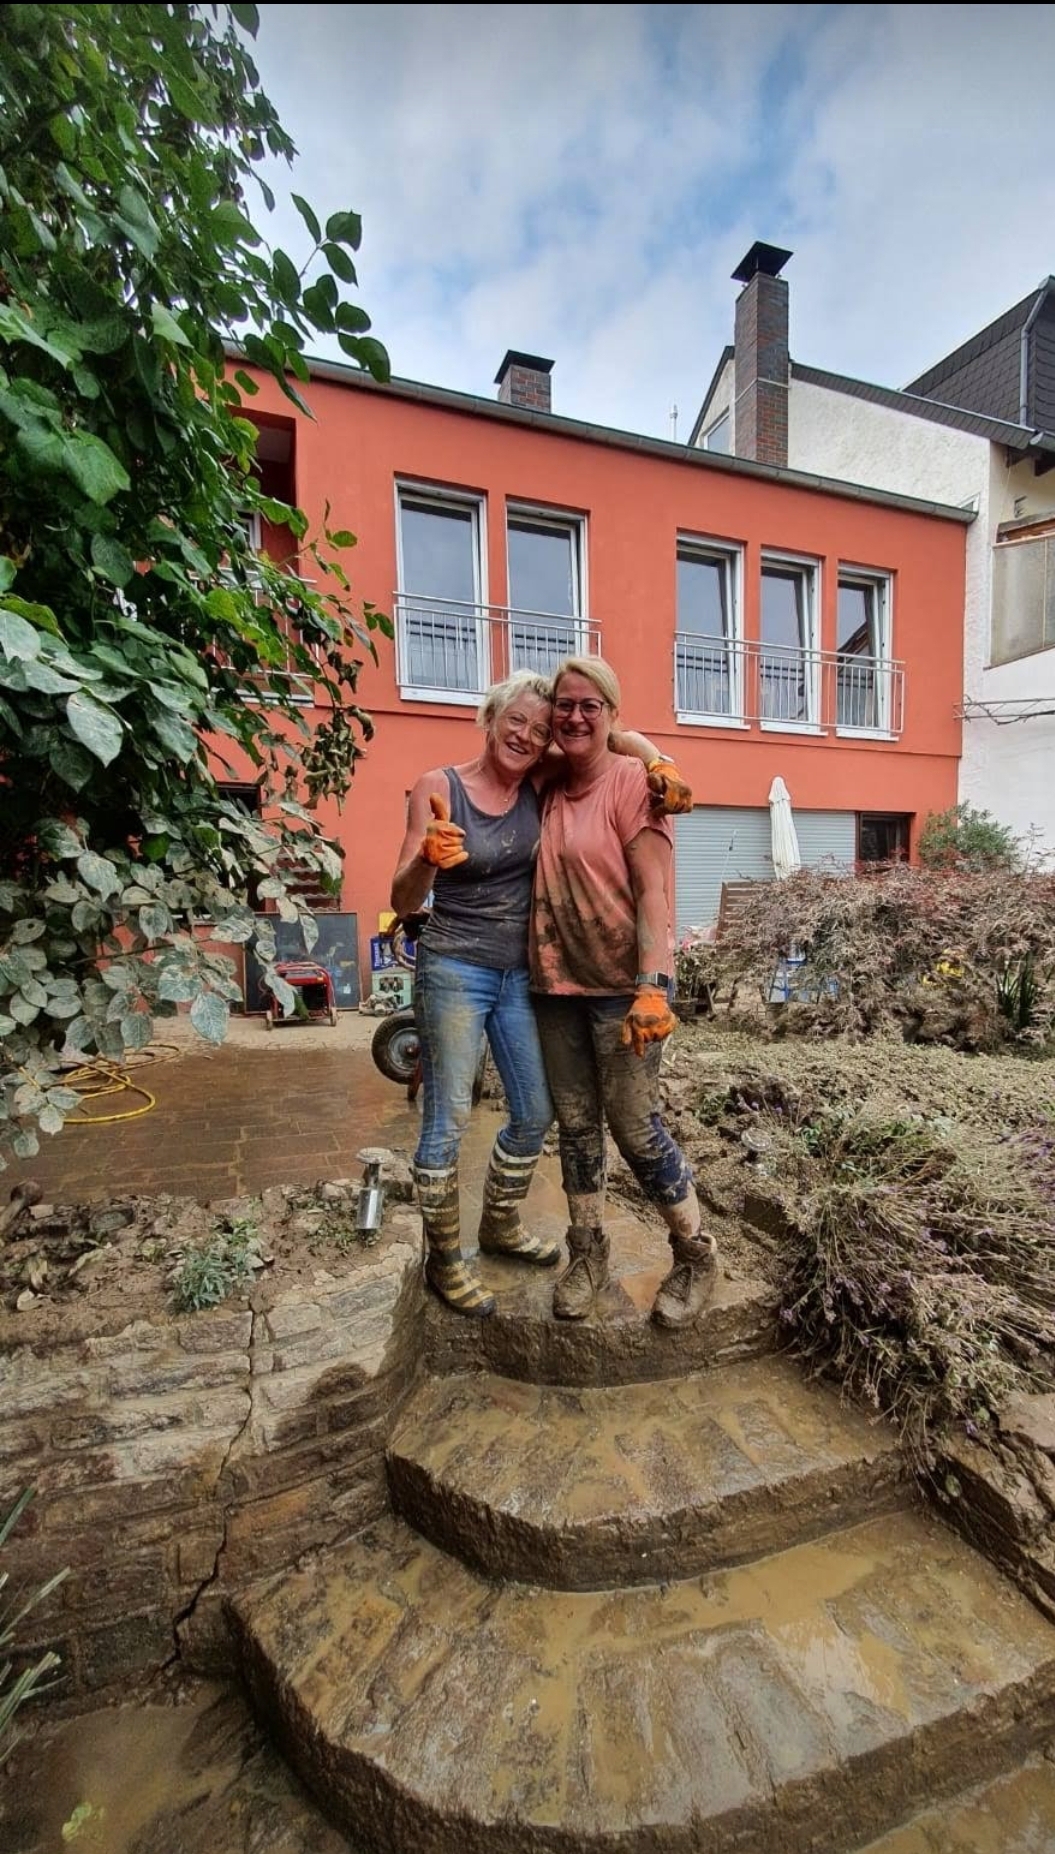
pixel 585 1275
pixel 501 1231
pixel 685 1291
pixel 446 1270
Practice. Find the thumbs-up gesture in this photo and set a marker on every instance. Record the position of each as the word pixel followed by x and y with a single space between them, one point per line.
pixel 442 843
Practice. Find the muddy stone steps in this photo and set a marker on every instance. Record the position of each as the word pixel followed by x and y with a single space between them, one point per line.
pixel 800 1704
pixel 579 1489
pixel 618 1344
pixel 1011 1815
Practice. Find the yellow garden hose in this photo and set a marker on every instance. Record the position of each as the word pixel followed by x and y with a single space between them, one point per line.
pixel 102 1077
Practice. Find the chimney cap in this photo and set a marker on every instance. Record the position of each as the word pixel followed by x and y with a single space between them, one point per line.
pixel 767 259
pixel 514 358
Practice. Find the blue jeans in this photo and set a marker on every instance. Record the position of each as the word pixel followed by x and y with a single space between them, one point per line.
pixel 594 1079
pixel 456 1005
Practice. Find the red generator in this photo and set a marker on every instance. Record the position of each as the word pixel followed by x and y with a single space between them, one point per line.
pixel 316 1001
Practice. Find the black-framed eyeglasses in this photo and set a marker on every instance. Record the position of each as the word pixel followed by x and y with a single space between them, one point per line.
pixel 589 709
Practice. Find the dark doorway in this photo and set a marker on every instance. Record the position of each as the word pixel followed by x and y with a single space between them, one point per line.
pixel 882 837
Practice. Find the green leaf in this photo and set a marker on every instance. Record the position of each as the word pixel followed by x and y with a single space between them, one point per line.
pixel 346 228
pixel 351 318
pixel 70 763
pixel 155 921
pixel 7 572
pixel 17 638
pixel 166 326
pixel 92 465
pixel 229 225
pixel 134 217
pixel 25 1145
pixel 50 1120
pixel 340 263
pixel 287 282
pixel 308 217
pixel 95 726
pixel 208 1014
pixel 247 16
pixel 136 1030
pixel 99 873
pixel 342 537
pixel 113 560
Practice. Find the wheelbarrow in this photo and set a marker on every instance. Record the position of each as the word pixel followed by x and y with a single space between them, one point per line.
pixel 396 1045
pixel 316 1001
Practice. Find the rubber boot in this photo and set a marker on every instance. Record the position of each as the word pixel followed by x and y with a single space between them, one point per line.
pixel 585 1275
pixel 447 1272
pixel 685 1291
pixel 501 1231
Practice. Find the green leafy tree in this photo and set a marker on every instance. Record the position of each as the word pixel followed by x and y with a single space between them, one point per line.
pixel 136 622
pixel 963 838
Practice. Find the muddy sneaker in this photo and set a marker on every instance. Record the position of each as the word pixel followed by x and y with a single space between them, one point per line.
pixel 585 1275
pixel 688 1287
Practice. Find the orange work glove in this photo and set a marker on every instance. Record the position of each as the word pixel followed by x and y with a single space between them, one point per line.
pixel 669 791
pixel 648 1020
pixel 442 843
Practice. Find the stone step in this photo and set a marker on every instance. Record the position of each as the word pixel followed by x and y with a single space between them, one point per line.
pixel 618 1344
pixel 580 1489
pixel 800 1704
pixel 1014 1814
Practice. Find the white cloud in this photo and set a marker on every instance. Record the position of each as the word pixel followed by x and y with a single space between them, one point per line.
pixel 580 181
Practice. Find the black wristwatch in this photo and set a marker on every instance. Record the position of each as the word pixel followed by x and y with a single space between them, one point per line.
pixel 659 979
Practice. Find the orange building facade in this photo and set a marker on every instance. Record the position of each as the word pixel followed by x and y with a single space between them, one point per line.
pixel 760 622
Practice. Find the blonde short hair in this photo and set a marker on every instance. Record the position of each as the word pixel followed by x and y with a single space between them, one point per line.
pixel 501 695
pixel 597 671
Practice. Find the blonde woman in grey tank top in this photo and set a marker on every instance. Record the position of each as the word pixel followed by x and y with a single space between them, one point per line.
pixel 472 840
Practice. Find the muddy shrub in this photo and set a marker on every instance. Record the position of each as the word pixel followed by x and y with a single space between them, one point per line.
pixel 962 957
pixel 918 1260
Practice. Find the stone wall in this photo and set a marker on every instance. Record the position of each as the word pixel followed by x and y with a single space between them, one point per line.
pixel 174 1458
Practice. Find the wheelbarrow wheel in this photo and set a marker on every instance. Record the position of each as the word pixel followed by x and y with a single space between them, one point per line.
pixel 395 1047
pixel 333 1017
pixel 269 1020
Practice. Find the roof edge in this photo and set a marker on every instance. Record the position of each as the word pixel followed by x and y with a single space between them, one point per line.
pixel 341 373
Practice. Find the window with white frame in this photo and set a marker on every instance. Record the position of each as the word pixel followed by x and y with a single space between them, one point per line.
pixel 788 658
pixel 708 677
pixel 440 623
pixel 719 436
pixel 863 648
pixel 1023 598
pixel 546 558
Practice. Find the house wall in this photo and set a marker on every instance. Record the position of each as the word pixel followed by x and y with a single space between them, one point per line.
pixel 635 504
pixel 1005 769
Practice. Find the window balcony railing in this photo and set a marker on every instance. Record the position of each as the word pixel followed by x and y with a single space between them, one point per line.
pixel 716 680
pixel 450 651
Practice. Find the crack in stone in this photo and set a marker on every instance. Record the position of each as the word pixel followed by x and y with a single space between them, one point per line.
pixel 185 1614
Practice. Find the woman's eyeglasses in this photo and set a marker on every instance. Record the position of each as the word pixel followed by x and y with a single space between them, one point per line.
pixel 589 709
pixel 540 736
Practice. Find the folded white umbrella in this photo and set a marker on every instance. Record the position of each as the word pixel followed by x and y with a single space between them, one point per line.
pixel 787 856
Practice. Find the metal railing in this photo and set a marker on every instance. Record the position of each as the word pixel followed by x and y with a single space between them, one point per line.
pixel 447 647
pixel 755 682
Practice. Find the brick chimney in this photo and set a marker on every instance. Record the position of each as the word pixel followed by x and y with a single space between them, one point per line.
pixel 524 380
pixel 762 367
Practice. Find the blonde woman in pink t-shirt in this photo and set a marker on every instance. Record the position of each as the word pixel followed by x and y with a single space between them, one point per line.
pixel 601 952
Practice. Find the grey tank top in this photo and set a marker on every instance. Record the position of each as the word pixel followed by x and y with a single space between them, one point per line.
pixel 481 909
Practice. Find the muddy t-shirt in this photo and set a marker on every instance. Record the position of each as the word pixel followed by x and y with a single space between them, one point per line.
pixel 481 908
pixel 584 919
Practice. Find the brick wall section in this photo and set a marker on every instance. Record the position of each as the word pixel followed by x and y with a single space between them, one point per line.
pixel 760 420
pixel 526 386
pixel 173 1462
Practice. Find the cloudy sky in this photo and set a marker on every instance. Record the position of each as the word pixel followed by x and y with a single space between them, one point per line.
pixel 580 181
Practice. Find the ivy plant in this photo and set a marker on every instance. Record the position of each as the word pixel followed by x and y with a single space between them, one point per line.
pixel 142 639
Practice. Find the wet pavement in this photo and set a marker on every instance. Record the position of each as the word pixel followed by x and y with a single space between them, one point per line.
pixel 264 1109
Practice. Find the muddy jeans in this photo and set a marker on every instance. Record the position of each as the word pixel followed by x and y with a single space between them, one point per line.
pixel 592 1079
pixel 456 1004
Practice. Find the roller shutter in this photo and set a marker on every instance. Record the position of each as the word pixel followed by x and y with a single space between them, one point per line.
pixel 720 843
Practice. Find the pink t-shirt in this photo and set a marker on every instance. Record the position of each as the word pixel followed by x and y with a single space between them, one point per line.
pixel 584 918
